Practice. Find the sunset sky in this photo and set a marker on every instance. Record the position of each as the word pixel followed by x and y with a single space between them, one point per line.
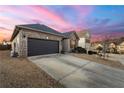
pixel 99 20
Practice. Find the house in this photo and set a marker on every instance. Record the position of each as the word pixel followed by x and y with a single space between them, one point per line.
pixel 117 45
pixel 120 47
pixel 112 47
pixel 38 39
pixel 84 40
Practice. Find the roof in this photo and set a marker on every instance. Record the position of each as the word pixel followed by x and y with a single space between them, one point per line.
pixel 68 34
pixel 42 28
pixel 36 27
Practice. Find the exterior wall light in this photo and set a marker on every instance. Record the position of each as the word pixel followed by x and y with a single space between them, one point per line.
pixel 47 37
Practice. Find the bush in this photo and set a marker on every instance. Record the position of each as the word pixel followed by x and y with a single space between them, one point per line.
pixel 92 52
pixel 79 50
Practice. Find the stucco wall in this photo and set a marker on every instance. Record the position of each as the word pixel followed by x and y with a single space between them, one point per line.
pixel 82 42
pixel 24 34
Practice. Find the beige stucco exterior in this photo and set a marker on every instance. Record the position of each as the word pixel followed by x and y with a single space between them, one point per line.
pixel 66 45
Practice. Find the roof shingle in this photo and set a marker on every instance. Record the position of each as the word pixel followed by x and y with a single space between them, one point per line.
pixel 40 27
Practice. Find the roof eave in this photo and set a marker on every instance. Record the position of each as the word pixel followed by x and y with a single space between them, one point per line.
pixel 15 32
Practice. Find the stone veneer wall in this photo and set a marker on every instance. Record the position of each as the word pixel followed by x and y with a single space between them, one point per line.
pixel 34 34
pixel 16 40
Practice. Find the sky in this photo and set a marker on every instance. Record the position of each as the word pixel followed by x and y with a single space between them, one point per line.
pixel 100 21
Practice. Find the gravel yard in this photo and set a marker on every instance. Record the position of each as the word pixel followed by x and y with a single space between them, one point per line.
pixel 93 58
pixel 19 72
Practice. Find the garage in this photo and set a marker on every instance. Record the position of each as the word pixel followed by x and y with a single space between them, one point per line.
pixel 39 39
pixel 42 46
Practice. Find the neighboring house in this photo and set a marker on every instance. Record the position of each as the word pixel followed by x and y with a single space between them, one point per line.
pixel 37 39
pixel 95 45
pixel 112 47
pixel 120 47
pixel 84 41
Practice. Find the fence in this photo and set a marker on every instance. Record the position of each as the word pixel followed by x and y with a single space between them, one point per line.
pixel 5 47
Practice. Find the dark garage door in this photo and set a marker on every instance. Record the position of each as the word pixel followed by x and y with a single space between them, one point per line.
pixel 41 47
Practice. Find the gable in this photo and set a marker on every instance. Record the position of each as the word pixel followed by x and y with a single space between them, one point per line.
pixel 73 36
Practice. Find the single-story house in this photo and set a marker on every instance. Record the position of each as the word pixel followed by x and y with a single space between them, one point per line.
pixel 38 39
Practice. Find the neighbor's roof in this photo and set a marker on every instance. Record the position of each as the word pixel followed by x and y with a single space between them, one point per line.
pixel 37 27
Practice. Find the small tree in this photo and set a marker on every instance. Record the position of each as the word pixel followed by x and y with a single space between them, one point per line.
pixel 99 48
pixel 106 41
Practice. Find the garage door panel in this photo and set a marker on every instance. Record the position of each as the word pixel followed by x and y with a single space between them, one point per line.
pixel 40 47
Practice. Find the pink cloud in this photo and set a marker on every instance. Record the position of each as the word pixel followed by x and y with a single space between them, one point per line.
pixel 35 14
pixel 25 15
pixel 83 10
pixel 51 16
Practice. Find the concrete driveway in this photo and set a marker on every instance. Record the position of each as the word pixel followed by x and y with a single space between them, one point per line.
pixel 117 57
pixel 75 72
